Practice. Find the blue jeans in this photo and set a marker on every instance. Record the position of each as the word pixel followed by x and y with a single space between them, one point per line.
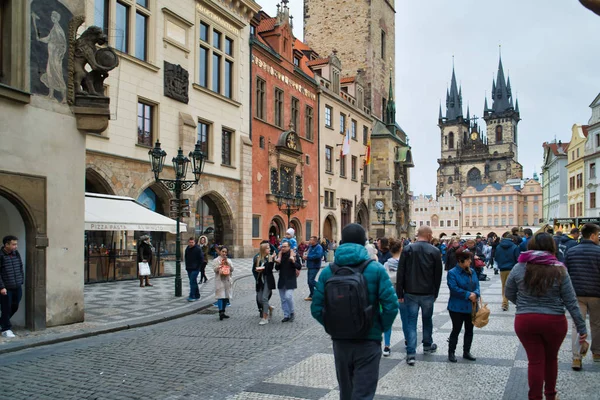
pixel 311 276
pixel 194 290
pixel 287 301
pixel 413 303
pixel 222 303
pixel 9 304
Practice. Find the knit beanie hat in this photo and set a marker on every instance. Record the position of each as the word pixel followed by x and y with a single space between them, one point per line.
pixel 354 233
pixel 290 231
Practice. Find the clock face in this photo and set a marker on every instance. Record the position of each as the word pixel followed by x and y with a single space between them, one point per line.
pixel 473 135
pixel 379 205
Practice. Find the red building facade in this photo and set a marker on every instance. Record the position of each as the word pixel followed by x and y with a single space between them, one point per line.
pixel 284 131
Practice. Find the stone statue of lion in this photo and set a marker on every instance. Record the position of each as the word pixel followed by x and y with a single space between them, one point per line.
pixel 86 52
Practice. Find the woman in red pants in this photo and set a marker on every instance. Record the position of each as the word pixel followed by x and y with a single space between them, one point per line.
pixel 540 287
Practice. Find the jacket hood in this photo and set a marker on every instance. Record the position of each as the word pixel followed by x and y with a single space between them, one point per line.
pixel 351 254
pixel 506 243
pixel 391 264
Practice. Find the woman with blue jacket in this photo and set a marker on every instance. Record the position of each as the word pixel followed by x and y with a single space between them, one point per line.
pixel 464 292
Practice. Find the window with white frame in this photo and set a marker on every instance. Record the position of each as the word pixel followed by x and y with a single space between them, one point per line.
pixel 328 112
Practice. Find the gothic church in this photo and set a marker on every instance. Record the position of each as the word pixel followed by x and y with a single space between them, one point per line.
pixel 470 157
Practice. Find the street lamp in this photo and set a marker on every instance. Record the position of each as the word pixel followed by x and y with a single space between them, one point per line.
pixel 288 204
pixel 383 218
pixel 178 185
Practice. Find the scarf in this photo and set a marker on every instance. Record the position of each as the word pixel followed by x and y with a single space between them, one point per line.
pixel 539 258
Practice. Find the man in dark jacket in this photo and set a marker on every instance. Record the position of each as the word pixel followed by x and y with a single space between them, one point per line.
pixel 418 284
pixel 570 240
pixel 313 257
pixel 194 259
pixel 583 264
pixel 507 254
pixel 289 268
pixel 357 360
pixel 11 280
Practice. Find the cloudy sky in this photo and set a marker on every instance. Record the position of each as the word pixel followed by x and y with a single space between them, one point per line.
pixel 550 49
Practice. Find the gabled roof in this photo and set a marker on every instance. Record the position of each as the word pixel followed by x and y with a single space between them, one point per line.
pixel 301 46
pixel 318 61
pixel 557 148
pixel 596 101
pixel 584 128
pixel 266 25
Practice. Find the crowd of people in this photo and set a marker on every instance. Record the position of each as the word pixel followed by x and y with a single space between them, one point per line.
pixel 542 274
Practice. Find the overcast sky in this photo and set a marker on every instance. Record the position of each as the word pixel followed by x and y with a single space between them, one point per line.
pixel 550 49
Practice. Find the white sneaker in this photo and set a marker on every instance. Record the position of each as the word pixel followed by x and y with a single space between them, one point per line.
pixel 8 334
pixel 263 321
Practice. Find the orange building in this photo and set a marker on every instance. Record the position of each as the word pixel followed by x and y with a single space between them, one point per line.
pixel 284 131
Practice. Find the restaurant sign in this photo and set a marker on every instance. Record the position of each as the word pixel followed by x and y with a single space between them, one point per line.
pixel 90 226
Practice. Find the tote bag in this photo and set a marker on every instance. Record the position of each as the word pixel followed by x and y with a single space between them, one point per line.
pixel 144 268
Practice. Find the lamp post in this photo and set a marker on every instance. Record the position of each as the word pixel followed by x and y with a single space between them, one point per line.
pixel 178 185
pixel 382 218
pixel 288 204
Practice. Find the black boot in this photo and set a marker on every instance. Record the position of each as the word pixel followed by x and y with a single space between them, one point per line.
pixel 452 348
pixel 221 315
pixel 467 348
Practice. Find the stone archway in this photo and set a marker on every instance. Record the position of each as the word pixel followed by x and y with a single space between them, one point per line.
pixel 297 225
pixel 26 195
pixel 95 183
pixel 214 219
pixel 277 227
pixel 330 228
pixel 362 215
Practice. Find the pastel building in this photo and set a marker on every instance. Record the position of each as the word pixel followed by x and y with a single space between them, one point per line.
pixel 442 215
pixel 592 162
pixel 576 171
pixel 554 181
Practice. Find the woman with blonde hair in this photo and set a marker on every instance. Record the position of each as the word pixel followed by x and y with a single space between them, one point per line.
pixel 223 270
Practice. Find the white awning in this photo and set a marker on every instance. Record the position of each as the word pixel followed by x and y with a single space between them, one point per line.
pixel 116 213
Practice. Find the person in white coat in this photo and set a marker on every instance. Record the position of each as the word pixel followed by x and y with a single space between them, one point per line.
pixel 223 269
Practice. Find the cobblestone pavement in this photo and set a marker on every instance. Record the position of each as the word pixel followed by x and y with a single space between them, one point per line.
pixel 124 303
pixel 200 357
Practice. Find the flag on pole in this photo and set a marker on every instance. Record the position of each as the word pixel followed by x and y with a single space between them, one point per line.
pixel 368 153
pixel 346 145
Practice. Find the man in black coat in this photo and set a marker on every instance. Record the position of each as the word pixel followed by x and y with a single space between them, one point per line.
pixel 11 280
pixel 583 263
pixel 289 268
pixel 194 259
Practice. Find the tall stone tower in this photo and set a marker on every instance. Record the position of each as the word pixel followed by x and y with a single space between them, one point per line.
pixel 363 33
pixel 470 158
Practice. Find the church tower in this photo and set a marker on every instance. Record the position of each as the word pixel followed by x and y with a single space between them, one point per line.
pixel 363 33
pixel 503 117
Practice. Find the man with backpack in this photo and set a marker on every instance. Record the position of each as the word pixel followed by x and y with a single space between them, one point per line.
pixel 418 284
pixel 355 301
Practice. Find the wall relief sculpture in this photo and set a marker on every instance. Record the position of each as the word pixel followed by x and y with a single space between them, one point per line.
pixel 176 82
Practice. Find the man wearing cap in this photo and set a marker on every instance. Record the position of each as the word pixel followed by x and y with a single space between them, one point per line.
pixel 357 359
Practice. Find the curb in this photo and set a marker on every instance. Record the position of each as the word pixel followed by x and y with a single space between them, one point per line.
pixel 89 332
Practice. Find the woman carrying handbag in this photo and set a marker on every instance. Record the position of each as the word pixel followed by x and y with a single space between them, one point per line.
pixel 464 292
pixel 223 270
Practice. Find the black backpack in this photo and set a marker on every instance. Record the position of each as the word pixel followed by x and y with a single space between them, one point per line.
pixel 347 313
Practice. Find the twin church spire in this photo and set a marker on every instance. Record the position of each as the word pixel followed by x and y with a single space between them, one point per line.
pixel 502 99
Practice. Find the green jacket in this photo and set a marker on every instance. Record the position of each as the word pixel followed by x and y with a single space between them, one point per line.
pixel 377 279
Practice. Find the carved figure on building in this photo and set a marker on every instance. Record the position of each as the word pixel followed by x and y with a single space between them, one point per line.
pixel 176 82
pixel 86 52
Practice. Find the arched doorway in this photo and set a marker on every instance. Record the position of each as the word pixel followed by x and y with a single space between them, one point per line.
pixel 23 213
pixel 362 215
pixel 95 183
pixel 297 226
pixel 277 227
pixel 330 228
pixel 214 219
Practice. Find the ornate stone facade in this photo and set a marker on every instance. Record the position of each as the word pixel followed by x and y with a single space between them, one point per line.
pixel 469 157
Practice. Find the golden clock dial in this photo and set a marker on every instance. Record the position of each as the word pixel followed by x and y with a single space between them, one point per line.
pixel 474 135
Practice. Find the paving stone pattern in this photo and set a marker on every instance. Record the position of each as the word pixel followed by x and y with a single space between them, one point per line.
pixel 200 357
